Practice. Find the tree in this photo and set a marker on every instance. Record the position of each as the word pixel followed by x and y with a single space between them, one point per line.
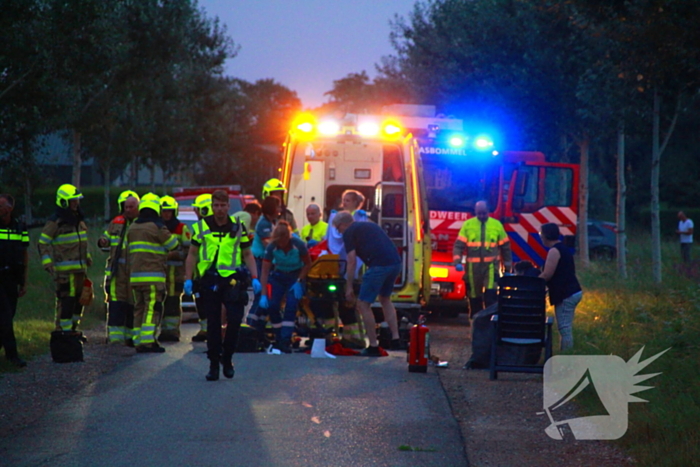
pixel 473 58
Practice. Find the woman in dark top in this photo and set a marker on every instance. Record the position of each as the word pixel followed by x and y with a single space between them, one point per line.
pixel 564 289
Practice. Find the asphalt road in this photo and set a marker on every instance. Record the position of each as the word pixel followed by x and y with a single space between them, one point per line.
pixel 279 410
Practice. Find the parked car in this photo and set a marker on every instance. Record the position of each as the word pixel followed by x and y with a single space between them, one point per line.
pixel 602 240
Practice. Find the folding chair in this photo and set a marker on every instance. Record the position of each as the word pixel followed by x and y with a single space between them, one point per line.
pixel 521 322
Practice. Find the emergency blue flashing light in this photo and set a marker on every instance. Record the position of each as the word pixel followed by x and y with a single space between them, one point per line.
pixel 457 141
pixel 483 143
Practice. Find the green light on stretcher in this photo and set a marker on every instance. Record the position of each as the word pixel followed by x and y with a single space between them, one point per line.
pixel 332 288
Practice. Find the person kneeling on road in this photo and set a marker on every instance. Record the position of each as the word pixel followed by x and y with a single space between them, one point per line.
pixel 292 263
pixel 373 246
pixel 214 252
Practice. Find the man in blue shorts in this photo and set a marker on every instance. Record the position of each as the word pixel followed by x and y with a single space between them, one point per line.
pixel 367 241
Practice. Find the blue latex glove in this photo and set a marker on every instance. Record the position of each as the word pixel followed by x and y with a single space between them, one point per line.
pixel 298 290
pixel 257 288
pixel 459 267
pixel 264 302
pixel 188 287
pixel 311 243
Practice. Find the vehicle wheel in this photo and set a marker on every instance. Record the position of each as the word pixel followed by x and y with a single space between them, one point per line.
pixel 603 253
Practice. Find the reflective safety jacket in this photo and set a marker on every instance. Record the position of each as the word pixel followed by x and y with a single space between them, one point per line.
pixel 149 242
pixel 176 267
pixel 63 243
pixel 483 242
pixel 219 246
pixel 114 233
pixel 314 232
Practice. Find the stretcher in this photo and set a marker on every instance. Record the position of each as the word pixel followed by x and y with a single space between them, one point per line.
pixel 325 288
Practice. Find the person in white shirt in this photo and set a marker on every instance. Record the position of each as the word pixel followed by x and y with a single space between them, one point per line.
pixel 685 230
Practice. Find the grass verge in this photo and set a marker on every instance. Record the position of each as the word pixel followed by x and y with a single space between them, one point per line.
pixel 35 316
pixel 620 317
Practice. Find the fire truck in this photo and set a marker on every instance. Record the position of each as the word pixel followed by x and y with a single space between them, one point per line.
pixel 522 189
pixel 323 157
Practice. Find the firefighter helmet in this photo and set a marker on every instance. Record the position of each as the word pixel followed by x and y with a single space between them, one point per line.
pixel 169 203
pixel 271 185
pixel 123 196
pixel 151 201
pixel 66 193
pixel 203 204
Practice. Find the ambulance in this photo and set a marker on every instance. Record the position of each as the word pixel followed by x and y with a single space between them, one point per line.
pixel 376 156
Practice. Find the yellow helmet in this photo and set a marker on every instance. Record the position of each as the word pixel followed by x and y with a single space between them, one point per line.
pixel 271 185
pixel 203 203
pixel 150 200
pixel 66 193
pixel 169 203
pixel 124 195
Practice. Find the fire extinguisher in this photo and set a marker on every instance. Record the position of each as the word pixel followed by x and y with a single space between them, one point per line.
pixel 419 347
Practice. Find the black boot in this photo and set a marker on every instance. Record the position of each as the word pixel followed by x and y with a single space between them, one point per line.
pixel 213 374
pixel 228 367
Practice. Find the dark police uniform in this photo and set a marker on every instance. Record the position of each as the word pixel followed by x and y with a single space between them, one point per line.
pixel 14 241
pixel 222 281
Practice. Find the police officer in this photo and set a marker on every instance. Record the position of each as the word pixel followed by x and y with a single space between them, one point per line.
pixel 14 264
pixel 175 276
pixel 202 208
pixel 149 241
pixel 214 254
pixel 276 188
pixel 120 301
pixel 483 240
pixel 63 247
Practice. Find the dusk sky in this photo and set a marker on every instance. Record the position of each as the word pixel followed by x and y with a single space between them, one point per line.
pixel 306 44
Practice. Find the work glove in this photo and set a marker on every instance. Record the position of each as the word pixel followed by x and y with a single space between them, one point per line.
pixel 188 287
pixel 311 243
pixel 264 302
pixel 459 267
pixel 298 290
pixel 257 288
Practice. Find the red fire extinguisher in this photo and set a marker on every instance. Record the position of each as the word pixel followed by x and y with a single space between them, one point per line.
pixel 419 347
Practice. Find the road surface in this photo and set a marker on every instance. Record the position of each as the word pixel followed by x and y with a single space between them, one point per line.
pixel 279 410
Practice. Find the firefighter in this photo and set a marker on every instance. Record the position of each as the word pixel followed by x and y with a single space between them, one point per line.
pixel 276 188
pixel 149 241
pixel 14 265
pixel 120 302
pixel 175 278
pixel 484 242
pixel 202 208
pixel 63 248
pixel 214 255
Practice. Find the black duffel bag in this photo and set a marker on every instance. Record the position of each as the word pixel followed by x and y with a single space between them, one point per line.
pixel 247 339
pixel 67 346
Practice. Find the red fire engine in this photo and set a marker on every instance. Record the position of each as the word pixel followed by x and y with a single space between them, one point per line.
pixel 523 192
pixel 522 189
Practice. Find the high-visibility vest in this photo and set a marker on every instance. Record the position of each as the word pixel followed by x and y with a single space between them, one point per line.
pixel 220 246
pixel 314 232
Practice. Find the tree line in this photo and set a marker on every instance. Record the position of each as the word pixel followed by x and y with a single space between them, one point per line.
pixel 583 81
pixel 134 83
